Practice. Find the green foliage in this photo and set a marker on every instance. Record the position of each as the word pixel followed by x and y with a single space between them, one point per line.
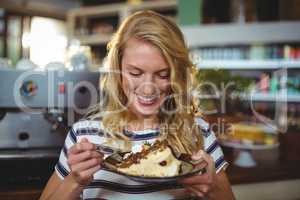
pixel 221 78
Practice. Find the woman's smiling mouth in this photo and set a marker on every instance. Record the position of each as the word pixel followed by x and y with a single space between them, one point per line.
pixel 147 100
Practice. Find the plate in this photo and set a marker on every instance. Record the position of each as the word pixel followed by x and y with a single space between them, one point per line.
pixel 187 169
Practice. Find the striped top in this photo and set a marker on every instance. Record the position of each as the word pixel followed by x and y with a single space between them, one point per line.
pixel 108 185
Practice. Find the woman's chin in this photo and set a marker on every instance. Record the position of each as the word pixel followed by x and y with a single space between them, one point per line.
pixel 147 111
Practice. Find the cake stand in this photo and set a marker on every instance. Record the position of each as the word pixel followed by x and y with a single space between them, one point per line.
pixel 244 152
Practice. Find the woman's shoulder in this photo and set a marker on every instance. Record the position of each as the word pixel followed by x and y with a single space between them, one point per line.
pixel 203 125
pixel 211 143
pixel 201 122
pixel 87 127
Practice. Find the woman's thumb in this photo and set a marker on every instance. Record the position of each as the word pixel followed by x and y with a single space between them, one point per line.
pixel 84 140
pixel 198 155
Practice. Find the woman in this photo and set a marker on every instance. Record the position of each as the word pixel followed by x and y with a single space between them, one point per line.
pixel 148 97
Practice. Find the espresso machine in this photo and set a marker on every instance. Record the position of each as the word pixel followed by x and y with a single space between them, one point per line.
pixel 37 109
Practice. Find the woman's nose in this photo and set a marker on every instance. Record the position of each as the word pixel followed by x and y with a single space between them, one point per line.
pixel 148 86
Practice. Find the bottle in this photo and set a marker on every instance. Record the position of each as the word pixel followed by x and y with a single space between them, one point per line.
pixel 274 84
pixel 264 83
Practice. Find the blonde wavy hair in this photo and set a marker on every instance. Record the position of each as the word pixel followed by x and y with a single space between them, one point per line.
pixel 178 124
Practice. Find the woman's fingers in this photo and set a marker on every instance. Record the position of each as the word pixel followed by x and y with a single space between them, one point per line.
pixel 83 171
pixel 201 165
pixel 207 162
pixel 84 140
pixel 84 145
pixel 194 192
pixel 197 156
pixel 86 176
pixel 210 169
pixel 86 164
pixel 76 158
pixel 201 184
pixel 84 161
pixel 204 189
pixel 198 190
pixel 197 180
pixel 89 173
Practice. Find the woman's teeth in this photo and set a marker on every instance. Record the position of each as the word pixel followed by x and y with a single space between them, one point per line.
pixel 147 100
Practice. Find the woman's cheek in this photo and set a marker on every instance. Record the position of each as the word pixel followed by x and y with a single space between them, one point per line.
pixel 164 86
pixel 129 84
pixel 135 83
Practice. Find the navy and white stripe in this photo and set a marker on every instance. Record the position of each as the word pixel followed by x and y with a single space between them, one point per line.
pixel 61 169
pixel 220 162
pixel 133 136
pixel 109 185
pixel 212 147
pixel 90 131
pixel 72 134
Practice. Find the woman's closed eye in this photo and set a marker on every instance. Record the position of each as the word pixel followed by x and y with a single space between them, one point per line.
pixel 135 73
pixel 164 75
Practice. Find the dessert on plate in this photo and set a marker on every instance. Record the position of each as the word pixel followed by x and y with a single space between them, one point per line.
pixel 156 160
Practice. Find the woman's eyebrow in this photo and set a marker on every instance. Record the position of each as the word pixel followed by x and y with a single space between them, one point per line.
pixel 137 68
pixel 134 67
pixel 162 70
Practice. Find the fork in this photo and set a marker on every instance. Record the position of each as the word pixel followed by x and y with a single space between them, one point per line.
pixel 106 149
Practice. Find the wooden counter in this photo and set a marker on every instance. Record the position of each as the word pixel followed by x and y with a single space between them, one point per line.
pixel 273 171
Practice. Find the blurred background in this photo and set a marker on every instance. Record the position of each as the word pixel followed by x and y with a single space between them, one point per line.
pixel 247 53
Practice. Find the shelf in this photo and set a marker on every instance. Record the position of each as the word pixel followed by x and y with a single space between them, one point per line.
pixel 239 34
pixel 157 5
pixel 248 64
pixel 121 10
pixel 260 97
pixel 95 39
pixel 93 11
pixel 113 9
pixel 271 97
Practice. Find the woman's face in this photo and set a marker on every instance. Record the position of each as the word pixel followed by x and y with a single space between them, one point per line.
pixel 145 78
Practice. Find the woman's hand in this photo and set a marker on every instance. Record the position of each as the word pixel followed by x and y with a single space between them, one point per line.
pixel 84 161
pixel 200 185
